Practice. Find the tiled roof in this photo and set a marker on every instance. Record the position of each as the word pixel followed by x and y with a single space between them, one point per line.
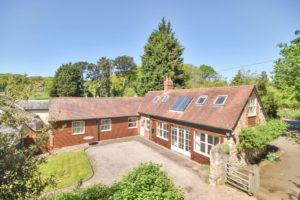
pixel 76 108
pixel 223 117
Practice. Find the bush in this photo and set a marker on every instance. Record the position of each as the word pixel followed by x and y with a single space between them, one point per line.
pixel 258 137
pixel 95 192
pixel 146 181
pixel 289 113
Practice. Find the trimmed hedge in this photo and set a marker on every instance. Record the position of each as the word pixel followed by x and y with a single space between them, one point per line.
pixel 257 138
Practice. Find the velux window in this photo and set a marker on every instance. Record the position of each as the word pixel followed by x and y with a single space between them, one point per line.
pixel 181 103
pixel 162 130
pixel 105 125
pixel 155 99
pixel 201 100
pixel 204 143
pixel 78 127
pixel 132 122
pixel 220 100
pixel 252 107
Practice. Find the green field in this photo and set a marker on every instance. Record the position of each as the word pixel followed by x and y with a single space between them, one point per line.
pixel 68 168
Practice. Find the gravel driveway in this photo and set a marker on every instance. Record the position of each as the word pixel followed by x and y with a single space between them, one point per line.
pixel 113 159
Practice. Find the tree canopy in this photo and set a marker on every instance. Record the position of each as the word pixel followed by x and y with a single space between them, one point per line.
pixel 68 81
pixel 162 57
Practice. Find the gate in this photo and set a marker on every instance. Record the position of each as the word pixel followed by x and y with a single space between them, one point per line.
pixel 242 178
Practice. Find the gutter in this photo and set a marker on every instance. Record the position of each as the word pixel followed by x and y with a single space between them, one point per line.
pixel 204 126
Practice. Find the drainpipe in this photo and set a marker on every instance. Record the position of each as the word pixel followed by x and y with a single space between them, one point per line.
pixel 98 130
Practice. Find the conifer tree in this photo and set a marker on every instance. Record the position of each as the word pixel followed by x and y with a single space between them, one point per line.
pixel 104 65
pixel 162 57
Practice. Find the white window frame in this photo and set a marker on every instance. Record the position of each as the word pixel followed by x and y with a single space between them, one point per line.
pixel 105 123
pixel 203 96
pixel 252 104
pixel 146 127
pixel 226 96
pixel 155 99
pixel 199 142
pixel 161 131
pixel 77 125
pixel 165 99
pixel 135 122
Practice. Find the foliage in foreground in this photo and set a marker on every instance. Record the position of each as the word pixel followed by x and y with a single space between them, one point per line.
pixel 20 177
pixel 257 138
pixel 95 192
pixel 146 181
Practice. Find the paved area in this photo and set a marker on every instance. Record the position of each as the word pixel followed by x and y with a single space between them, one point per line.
pixel 281 179
pixel 113 159
pixel 294 125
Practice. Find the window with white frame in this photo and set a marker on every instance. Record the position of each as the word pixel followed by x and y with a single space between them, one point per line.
pixel 162 130
pixel 78 127
pixel 204 142
pixel 132 122
pixel 251 107
pixel 220 100
pixel 201 100
pixel 105 125
pixel 148 124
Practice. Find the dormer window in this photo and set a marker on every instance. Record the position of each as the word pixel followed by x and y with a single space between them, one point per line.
pixel 201 100
pixel 155 99
pixel 220 100
pixel 252 107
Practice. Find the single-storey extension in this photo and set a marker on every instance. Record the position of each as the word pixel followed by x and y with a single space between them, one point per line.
pixel 189 121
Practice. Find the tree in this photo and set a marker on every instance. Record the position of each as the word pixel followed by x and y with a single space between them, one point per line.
pixel 161 58
pixel 20 176
pixel 105 66
pixel 244 78
pixel 207 73
pixel 68 81
pixel 262 83
pixel 123 65
pixel 287 69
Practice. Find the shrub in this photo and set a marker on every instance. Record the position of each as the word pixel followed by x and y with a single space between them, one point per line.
pixel 146 181
pixel 258 137
pixel 95 192
pixel 272 156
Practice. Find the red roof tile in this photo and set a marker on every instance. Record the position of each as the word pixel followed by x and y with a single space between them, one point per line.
pixel 75 108
pixel 224 117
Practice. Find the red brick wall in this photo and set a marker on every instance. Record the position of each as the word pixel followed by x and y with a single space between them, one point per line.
pixel 119 129
pixel 194 155
pixel 63 132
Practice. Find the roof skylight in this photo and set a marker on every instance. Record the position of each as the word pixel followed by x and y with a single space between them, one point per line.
pixel 220 100
pixel 201 100
pixel 181 103
pixel 165 99
pixel 155 99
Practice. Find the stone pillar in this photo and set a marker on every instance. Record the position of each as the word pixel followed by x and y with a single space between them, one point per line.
pixel 217 165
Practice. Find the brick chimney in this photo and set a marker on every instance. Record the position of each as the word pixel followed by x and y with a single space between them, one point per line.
pixel 168 84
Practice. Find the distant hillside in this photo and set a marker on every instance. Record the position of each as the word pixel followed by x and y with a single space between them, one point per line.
pixel 40 85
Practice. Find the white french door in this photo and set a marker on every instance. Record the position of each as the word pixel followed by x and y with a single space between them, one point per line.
pixel 181 140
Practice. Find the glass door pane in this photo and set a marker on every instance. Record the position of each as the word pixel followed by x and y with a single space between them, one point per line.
pixel 174 136
pixel 181 139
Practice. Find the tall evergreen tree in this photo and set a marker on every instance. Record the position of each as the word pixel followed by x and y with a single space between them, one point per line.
pixel 162 57
pixel 105 65
pixel 68 81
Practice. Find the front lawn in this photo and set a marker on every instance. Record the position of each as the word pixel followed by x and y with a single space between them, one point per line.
pixel 289 113
pixel 68 168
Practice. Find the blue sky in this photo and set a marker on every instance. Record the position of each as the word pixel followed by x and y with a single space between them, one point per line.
pixel 36 37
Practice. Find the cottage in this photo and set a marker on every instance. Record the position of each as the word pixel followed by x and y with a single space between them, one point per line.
pixel 189 121
pixel 37 107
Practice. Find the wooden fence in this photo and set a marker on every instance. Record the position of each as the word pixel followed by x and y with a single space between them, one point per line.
pixel 243 178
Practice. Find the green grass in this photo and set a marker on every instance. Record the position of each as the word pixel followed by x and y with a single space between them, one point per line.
pixel 68 168
pixel 40 95
pixel 289 113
